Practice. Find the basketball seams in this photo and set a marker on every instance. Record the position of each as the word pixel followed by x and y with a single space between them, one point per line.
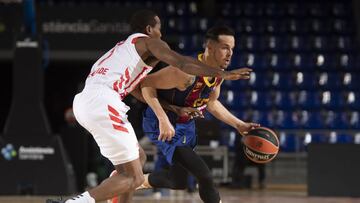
pixel 274 139
pixel 273 132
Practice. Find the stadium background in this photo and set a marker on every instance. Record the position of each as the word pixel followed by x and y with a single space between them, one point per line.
pixel 305 84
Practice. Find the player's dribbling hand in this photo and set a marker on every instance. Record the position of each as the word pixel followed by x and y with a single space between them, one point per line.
pixel 245 127
pixel 167 131
pixel 241 73
pixel 190 111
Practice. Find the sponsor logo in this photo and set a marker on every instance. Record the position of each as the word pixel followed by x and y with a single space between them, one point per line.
pixel 257 156
pixel 35 153
pixel 85 26
pixel 8 152
pixel 27 43
pixel 26 153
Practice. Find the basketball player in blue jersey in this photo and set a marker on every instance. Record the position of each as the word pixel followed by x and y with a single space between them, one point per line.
pixel 189 91
pixel 184 90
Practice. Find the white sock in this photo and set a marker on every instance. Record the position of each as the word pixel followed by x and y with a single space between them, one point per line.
pixel 82 198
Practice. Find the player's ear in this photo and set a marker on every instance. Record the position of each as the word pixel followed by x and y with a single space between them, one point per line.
pixel 209 44
pixel 148 29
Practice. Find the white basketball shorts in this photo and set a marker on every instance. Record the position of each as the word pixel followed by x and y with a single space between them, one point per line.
pixel 100 111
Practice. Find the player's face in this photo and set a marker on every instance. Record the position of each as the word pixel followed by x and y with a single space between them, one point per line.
pixel 155 31
pixel 223 50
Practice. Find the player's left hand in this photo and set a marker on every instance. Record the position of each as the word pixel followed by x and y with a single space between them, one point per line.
pixel 243 128
pixel 167 131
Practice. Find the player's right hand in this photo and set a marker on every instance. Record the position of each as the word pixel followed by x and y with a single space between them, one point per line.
pixel 167 131
pixel 243 128
pixel 241 73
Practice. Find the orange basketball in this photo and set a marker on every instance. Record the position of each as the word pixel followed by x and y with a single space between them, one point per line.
pixel 261 145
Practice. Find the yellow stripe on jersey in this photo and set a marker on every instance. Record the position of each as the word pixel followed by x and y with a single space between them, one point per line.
pixel 206 79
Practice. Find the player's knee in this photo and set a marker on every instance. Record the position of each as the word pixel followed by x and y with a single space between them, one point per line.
pixel 137 181
pixel 121 184
pixel 130 185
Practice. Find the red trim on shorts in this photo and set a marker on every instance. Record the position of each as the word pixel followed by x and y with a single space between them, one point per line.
pixel 116 119
pixel 113 111
pixel 120 128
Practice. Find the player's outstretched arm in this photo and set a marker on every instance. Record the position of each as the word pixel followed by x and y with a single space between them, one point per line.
pixel 161 50
pixel 166 78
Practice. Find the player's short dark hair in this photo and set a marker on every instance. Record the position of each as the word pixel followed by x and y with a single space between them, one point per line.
pixel 214 32
pixel 141 19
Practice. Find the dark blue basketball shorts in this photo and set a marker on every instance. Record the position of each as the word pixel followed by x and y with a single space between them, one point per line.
pixel 185 134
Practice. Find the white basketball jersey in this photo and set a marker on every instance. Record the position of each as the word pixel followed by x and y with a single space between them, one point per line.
pixel 121 68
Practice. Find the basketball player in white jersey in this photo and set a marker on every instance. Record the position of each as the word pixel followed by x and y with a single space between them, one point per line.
pixel 99 107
